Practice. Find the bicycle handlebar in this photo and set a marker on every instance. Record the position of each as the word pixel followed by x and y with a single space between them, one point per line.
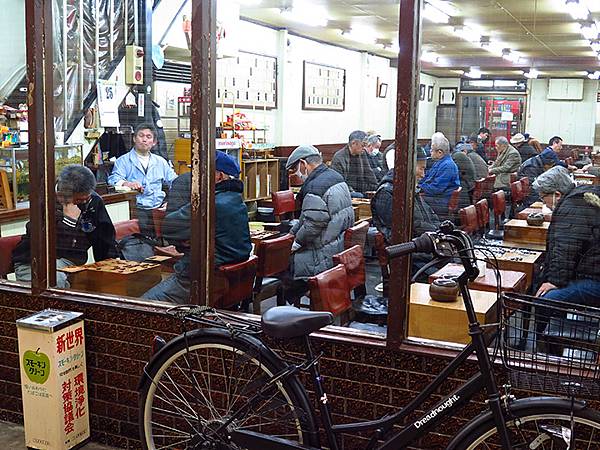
pixel 420 244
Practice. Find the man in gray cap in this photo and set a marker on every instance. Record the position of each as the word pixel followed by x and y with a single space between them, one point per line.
pixel 326 213
pixel 572 266
pixel 353 164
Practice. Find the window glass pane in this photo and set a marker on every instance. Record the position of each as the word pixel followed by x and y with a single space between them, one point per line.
pixel 504 117
pixel 14 168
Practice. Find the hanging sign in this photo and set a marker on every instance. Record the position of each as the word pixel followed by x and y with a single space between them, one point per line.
pixel 108 103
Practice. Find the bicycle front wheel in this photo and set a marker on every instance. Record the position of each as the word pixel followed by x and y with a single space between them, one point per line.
pixel 540 427
pixel 196 391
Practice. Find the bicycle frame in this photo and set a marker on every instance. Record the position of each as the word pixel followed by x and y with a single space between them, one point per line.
pixel 485 379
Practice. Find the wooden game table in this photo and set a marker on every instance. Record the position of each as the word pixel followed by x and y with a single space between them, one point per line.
pixel 511 281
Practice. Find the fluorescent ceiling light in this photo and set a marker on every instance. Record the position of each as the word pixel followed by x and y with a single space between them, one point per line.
pixel 473 73
pixel 594 75
pixel 444 6
pixel 511 56
pixel 471 34
pixel 595 46
pixel 531 74
pixel 306 13
pixel 435 15
pixel 577 9
pixel 362 34
pixel 430 57
pixel 589 30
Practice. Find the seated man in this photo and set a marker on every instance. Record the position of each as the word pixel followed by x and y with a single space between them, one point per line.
pixel 232 234
pixel 441 179
pixel 480 165
pixel 522 145
pixel 507 162
pixel 551 151
pixel 326 213
pixel 466 173
pixel 145 172
pixel 81 222
pixel 572 265
pixel 533 168
pixel 353 164
pixel 374 156
pixel 424 219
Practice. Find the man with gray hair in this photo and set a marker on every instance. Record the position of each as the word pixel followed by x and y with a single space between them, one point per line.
pixel 374 156
pixel 442 178
pixel 507 162
pixel 571 271
pixel 81 222
pixel 353 164
pixel 326 213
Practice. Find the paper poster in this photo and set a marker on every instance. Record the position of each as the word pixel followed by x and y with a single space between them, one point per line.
pixel 108 103
pixel 506 116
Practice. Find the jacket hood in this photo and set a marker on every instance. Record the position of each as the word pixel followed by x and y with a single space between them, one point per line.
pixel 232 185
pixel 388 177
pixel 592 199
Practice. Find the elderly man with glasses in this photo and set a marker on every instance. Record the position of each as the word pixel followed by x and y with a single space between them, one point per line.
pixel 81 222
pixel 353 164
pixel 442 178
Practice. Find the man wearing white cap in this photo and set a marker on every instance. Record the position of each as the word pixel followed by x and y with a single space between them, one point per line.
pixel 526 151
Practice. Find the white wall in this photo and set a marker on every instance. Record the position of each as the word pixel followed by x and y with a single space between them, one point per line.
pixel 574 121
pixel 427 109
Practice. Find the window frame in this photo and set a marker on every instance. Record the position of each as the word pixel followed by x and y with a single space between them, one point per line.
pixel 41 128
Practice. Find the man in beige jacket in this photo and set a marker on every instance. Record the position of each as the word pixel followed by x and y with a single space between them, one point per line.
pixel 507 162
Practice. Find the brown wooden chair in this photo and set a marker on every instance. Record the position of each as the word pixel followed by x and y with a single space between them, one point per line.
pixel 499 207
pixel 478 190
pixel 453 204
pixel 468 219
pixel 516 197
pixel 240 282
pixel 513 177
pixel 483 216
pixel 284 205
pixel 126 228
pixel 354 262
pixel 158 215
pixel 273 259
pixel 329 292
pixel 7 245
pixel 383 260
pixel 356 235
pixel 525 186
pixel 489 187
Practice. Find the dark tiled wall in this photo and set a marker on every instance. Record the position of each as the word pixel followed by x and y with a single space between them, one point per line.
pixel 363 381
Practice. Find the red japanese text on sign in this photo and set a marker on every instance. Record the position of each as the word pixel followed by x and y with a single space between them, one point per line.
pixel 67 396
pixel 69 340
pixel 79 395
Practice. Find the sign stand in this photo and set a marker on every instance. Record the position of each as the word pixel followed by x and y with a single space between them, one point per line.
pixel 53 379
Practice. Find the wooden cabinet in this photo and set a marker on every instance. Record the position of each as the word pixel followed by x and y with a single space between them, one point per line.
pixel 260 177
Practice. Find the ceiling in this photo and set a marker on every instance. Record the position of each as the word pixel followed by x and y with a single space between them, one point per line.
pixel 543 33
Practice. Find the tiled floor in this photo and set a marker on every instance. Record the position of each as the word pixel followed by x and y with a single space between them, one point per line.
pixel 12 437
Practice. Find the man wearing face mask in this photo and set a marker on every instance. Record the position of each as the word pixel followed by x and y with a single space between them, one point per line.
pixel 81 222
pixel 353 164
pixel 572 266
pixel 326 213
pixel 374 156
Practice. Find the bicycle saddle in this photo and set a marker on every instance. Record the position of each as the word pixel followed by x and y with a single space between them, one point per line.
pixel 286 322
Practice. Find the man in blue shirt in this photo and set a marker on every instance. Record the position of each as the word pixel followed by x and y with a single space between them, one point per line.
pixel 144 172
pixel 550 153
pixel 442 178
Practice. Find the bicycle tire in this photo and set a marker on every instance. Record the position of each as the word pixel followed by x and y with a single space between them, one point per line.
pixel 530 427
pixel 202 399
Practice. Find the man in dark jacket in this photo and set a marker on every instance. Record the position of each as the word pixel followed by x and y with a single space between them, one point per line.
pixel 353 164
pixel 466 173
pixel 442 178
pixel 533 168
pixel 526 151
pixel 571 268
pixel 81 222
pixel 375 156
pixel 553 149
pixel 481 167
pixel 424 219
pixel 483 136
pixel 232 234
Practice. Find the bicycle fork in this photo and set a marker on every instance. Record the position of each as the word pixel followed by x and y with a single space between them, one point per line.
pixel 483 359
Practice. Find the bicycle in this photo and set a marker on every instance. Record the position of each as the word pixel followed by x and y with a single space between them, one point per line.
pixel 222 387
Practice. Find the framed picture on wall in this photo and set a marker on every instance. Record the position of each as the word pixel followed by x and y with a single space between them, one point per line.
pixel 448 96
pixel 421 92
pixel 381 89
pixel 429 93
pixel 323 87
